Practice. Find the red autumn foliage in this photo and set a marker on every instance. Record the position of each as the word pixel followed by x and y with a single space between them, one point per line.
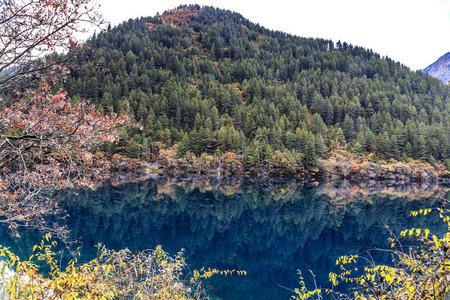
pixel 45 145
pixel 355 169
pixel 179 16
pixel 45 139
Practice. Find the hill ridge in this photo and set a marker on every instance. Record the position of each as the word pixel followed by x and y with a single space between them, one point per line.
pixel 205 80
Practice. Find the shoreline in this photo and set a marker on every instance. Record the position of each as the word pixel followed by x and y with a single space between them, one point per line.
pixel 341 165
pixel 340 191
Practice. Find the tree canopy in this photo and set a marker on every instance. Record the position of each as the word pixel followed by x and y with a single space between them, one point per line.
pixel 211 81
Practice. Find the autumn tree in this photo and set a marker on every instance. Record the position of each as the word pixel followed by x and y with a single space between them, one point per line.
pixel 46 139
pixel 30 30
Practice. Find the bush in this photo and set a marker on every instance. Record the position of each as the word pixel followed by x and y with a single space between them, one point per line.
pixel 422 272
pixel 148 274
pixel 113 274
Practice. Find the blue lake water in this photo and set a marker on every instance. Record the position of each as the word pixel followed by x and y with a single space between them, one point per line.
pixel 271 232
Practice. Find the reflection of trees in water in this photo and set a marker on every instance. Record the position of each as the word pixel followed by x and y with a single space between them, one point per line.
pixel 268 232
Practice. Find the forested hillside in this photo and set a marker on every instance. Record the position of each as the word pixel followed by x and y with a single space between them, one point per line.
pixel 210 81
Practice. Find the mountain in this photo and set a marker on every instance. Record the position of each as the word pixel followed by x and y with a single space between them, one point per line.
pixel 440 69
pixel 210 81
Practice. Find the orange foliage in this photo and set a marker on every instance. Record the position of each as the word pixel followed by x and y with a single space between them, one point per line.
pixel 179 16
pixel 239 91
pixel 231 163
pixel 152 26
pixel 355 168
pixel 45 144
pixel 245 28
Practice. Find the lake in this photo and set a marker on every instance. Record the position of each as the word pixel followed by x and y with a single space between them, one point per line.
pixel 269 230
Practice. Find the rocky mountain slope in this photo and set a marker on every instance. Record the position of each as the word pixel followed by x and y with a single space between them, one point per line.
pixel 440 69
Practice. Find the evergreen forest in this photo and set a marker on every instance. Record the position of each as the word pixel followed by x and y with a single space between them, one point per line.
pixel 210 81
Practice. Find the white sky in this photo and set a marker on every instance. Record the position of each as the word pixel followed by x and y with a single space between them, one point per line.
pixel 414 32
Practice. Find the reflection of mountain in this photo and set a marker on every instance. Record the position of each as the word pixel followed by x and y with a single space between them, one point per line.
pixel 269 234
pixel 340 191
pixel 248 230
pixel 343 191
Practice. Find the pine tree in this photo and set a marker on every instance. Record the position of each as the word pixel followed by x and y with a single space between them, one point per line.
pixel 357 148
pixel 321 147
pixel 309 155
pixel 172 85
pixel 348 128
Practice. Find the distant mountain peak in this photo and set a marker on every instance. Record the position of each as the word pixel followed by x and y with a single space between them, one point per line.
pixel 440 69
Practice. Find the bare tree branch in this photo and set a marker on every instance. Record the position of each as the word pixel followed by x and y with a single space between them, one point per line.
pixel 30 30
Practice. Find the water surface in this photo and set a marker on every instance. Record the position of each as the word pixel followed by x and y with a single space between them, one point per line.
pixel 271 232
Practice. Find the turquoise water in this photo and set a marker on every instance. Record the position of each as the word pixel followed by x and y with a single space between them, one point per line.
pixel 270 232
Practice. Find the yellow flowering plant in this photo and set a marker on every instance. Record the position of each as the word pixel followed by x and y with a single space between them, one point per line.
pixel 417 272
pixel 148 274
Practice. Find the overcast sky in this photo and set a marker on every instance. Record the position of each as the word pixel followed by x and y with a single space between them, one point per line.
pixel 414 32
